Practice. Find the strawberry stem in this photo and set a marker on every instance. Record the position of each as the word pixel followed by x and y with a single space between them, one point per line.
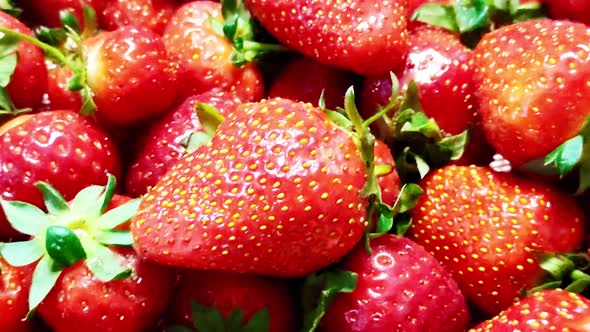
pixel 48 49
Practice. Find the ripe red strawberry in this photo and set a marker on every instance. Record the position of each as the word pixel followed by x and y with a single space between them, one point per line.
pixel 124 67
pixel 14 289
pixel 484 227
pixel 389 181
pixel 47 12
pixel 400 287
pixel 151 14
pixel 575 10
pixel 276 191
pixel 28 82
pixel 59 147
pixel 533 90
pixel 204 56
pixel 59 97
pixel 130 304
pixel 303 79
pixel 368 38
pixel 227 292
pixel 167 140
pixel 549 310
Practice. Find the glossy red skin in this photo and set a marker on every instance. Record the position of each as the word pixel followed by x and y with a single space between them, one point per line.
pixel 80 300
pixel 400 287
pixel 228 291
pixel 492 222
pixel 574 10
pixel 59 97
pixel 282 176
pixel 529 111
pixel 304 80
pixel 131 75
pixel 204 57
pixel 151 14
pixel 389 183
pixel 14 291
pixel 29 80
pixel 163 145
pixel 549 310
pixel 369 38
pixel 59 147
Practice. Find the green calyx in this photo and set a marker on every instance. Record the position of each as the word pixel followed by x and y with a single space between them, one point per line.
pixel 563 271
pixel 68 233
pixel 8 62
pixel 244 32
pixel 210 119
pixel 9 7
pixel 473 18
pixel 209 319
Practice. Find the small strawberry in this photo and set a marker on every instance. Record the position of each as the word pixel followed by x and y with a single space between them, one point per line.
pixel 549 310
pixel 278 190
pixel 368 38
pixel 574 10
pixel 400 287
pixel 258 300
pixel 26 81
pixel 14 289
pixel 485 228
pixel 306 80
pixel 151 14
pixel 169 138
pixel 58 147
pixel 204 56
pixel 533 90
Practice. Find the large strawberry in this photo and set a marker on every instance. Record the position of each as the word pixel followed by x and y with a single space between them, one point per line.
pixel 276 191
pixel 14 289
pixel 533 90
pixel 365 37
pixel 24 75
pixel 485 228
pixel 400 287
pixel 265 304
pixel 59 147
pixel 549 310
pixel 204 55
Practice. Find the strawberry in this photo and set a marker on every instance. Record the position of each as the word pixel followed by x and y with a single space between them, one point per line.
pixel 276 191
pixel 151 14
pixel 388 179
pixel 575 10
pixel 368 38
pixel 532 86
pixel 14 287
pixel 251 295
pixel 400 287
pixel 85 272
pixel 59 97
pixel 27 79
pixel 549 310
pixel 204 55
pixel 305 80
pixel 48 12
pixel 485 228
pixel 169 138
pixel 59 147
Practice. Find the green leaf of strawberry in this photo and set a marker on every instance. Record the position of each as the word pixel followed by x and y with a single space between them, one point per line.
pixel 9 7
pixel 22 253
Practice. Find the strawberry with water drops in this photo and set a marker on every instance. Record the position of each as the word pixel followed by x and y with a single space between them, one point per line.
pixel 485 228
pixel 59 147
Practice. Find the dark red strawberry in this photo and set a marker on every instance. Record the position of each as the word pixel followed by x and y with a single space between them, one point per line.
pixel 227 293
pixel 151 14
pixel 368 38
pixel 59 147
pixel 14 289
pixel 28 80
pixel 126 66
pixel 484 227
pixel 169 138
pixel 400 287
pixel 303 79
pixel 575 10
pixel 204 55
pixel 549 310
pixel 276 191
pixel 532 86
pixel 47 12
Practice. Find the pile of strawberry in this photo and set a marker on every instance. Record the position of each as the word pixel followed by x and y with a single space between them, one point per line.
pixel 178 165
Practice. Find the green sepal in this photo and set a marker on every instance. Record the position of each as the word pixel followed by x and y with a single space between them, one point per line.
pixel 24 217
pixel 437 14
pixel 260 322
pixel 471 15
pixel 566 271
pixel 119 215
pixel 45 276
pixel 388 216
pixel 63 246
pixel 109 192
pixel 68 19
pixel 209 117
pixel 195 140
pixel 54 202
pixel 206 319
pixel 8 58
pixel 9 7
pixel 51 36
pixel 319 291
pixel 456 144
pixel 402 223
pixel 87 202
pixel 22 253
pixel 104 263
pixel 115 237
